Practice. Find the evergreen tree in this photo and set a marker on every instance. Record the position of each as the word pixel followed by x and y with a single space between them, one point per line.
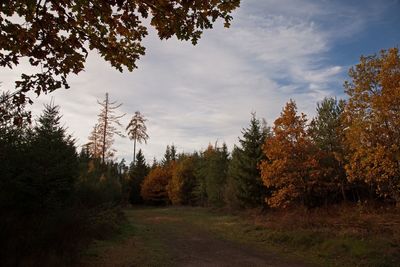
pixel 173 153
pixel 212 175
pixel 169 155
pixel 243 169
pixel 137 172
pixel 53 162
pixel 327 132
pixel 14 148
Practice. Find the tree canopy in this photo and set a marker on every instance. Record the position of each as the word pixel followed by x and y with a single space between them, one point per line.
pixel 373 119
pixel 137 131
pixel 288 169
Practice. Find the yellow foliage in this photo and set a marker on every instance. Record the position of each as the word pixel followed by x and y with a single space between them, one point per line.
pixel 373 120
pixel 182 182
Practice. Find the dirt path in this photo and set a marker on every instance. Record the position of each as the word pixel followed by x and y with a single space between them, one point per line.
pixel 165 237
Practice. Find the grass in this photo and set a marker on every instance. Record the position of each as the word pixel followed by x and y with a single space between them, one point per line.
pixel 338 237
pixel 342 238
pixel 135 244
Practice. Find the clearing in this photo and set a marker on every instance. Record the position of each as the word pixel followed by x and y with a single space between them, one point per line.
pixel 181 236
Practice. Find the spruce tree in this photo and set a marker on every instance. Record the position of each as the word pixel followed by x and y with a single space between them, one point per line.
pixel 243 170
pixel 212 174
pixel 53 162
pixel 137 172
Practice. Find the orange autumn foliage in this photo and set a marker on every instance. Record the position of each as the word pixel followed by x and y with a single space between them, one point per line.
pixel 290 170
pixel 154 186
pixel 373 123
pixel 183 181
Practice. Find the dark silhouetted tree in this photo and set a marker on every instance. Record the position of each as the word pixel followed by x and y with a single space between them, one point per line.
pixel 137 172
pixel 53 162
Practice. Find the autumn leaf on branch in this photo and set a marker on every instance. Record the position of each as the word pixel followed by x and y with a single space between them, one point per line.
pixel 55 36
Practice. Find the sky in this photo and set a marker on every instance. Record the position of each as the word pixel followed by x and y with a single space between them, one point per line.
pixel 275 50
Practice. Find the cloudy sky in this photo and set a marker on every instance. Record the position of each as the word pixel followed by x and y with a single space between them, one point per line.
pixel 195 95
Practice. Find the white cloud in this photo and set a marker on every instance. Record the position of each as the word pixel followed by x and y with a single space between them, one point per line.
pixel 274 51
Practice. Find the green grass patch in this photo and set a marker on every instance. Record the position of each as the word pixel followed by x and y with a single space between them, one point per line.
pixel 323 246
pixel 320 247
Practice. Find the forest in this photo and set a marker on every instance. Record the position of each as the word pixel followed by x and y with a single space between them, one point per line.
pixel 348 154
pixel 301 191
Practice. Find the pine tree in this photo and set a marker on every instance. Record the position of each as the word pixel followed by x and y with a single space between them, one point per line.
pixel 137 172
pixel 169 155
pixel 137 131
pixel 107 122
pixel 173 153
pixel 243 169
pixel 327 132
pixel 212 175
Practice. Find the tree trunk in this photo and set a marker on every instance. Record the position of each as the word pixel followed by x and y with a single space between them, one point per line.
pixel 134 151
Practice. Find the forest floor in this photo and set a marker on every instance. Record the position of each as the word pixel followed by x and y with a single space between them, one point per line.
pixel 187 236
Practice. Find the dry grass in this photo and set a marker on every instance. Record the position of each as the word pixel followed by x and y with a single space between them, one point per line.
pixel 357 220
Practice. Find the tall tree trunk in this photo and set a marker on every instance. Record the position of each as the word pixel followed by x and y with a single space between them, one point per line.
pixel 134 151
pixel 105 130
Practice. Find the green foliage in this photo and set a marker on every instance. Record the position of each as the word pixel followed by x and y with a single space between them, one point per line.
pixel 99 183
pixel 53 162
pixel 137 172
pixel 49 212
pixel 245 175
pixel 169 155
pixel 212 175
pixel 327 132
pixel 326 128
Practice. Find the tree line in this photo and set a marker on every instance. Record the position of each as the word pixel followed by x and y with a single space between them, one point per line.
pixel 54 201
pixel 48 191
pixel 348 152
